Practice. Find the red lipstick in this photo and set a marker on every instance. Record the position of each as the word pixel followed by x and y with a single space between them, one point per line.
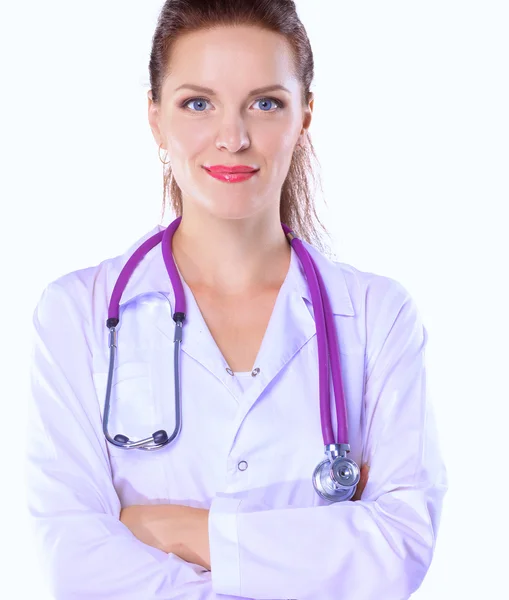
pixel 231 169
pixel 231 173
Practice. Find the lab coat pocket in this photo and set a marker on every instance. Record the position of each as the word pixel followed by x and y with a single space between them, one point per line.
pixel 133 411
pixel 138 475
pixel 130 370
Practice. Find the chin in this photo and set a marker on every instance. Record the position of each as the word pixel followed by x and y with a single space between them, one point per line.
pixel 231 210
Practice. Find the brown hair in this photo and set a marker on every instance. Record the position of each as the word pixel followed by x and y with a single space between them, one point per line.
pixel 178 17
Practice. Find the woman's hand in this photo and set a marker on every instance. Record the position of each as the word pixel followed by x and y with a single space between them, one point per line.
pixel 362 483
pixel 154 525
pixel 195 544
pixel 172 528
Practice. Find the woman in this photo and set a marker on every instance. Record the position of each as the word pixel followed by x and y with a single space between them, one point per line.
pixel 228 507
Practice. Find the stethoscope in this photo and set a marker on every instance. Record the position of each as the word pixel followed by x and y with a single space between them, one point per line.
pixel 335 479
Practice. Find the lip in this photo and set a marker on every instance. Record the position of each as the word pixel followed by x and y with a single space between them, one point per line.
pixel 230 177
pixel 218 169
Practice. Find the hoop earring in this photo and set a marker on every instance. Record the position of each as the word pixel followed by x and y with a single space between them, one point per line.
pixel 159 152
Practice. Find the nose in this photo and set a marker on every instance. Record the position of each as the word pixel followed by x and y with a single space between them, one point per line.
pixel 233 136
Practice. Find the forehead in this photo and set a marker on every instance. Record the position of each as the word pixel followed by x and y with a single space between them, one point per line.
pixel 236 55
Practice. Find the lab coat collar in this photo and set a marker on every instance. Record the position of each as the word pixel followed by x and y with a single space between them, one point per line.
pixel 151 275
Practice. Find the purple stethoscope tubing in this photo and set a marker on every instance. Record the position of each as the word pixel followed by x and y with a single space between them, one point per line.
pixel 335 479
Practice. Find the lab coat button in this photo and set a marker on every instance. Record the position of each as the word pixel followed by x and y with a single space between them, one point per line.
pixel 242 465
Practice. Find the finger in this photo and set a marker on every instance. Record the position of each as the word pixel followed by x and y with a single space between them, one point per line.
pixel 362 483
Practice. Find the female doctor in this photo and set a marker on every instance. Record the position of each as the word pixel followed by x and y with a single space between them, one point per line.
pixel 214 345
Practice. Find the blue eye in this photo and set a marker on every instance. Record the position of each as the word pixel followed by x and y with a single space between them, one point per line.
pixel 203 101
pixel 278 103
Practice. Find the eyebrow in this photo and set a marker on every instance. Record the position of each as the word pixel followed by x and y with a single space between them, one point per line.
pixel 206 90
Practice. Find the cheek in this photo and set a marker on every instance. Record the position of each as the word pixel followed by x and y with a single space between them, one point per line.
pixel 278 151
pixel 276 143
pixel 186 138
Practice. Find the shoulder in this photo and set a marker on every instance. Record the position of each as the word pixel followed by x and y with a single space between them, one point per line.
pixel 378 299
pixel 370 291
pixel 387 313
pixel 367 291
pixel 85 290
pixel 374 310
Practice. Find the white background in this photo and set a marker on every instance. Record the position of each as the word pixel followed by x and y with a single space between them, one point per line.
pixel 411 129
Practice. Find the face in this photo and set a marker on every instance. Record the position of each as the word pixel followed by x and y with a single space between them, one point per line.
pixel 230 125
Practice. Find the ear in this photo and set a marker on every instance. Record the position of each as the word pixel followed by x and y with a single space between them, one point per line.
pixel 308 114
pixel 153 119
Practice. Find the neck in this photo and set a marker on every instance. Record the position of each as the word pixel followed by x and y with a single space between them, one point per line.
pixel 231 257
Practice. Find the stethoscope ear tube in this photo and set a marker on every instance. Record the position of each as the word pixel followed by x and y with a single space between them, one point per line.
pixel 335 479
pixel 159 438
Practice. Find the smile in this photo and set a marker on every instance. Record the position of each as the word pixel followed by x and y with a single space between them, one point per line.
pixel 232 177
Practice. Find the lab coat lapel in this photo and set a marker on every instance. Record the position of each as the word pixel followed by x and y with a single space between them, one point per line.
pixel 197 342
pixel 292 324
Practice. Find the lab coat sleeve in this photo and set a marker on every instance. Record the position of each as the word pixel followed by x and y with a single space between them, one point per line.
pixel 378 548
pixel 85 551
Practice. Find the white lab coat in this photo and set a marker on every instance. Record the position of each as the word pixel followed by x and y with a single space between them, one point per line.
pixel 247 456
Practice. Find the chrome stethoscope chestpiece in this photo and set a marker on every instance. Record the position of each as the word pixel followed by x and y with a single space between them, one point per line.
pixel 335 479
